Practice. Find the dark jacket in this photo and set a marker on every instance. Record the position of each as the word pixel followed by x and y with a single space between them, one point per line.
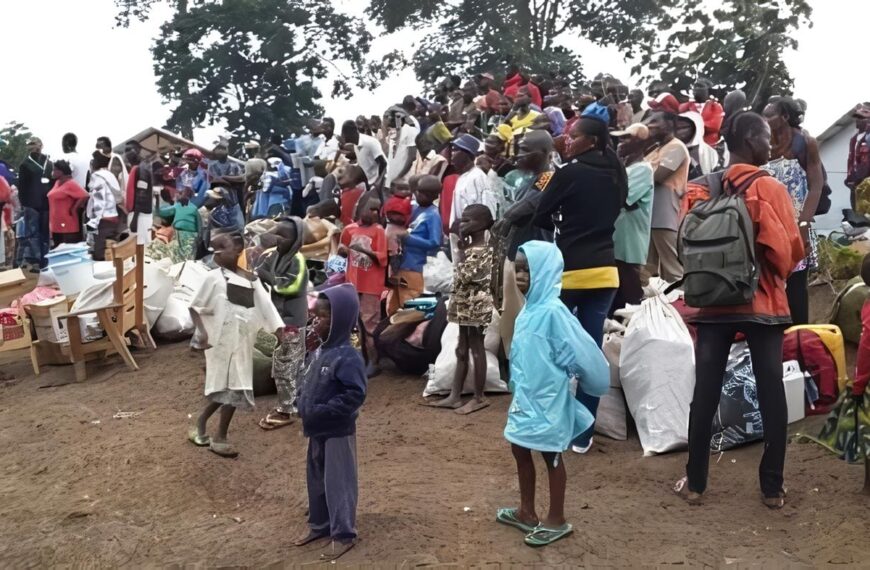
pixel 288 277
pixel 518 226
pixel 582 203
pixel 143 190
pixel 334 386
pixel 32 191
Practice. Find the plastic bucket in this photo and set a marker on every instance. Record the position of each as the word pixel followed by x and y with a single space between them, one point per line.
pixel 73 276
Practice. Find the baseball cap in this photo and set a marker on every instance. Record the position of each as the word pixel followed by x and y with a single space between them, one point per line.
pixel 252 144
pixel 33 140
pixel 665 102
pixel 193 153
pixel 468 143
pixel 487 76
pixel 636 130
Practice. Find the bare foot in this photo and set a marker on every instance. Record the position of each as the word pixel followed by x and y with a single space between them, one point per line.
pixel 449 402
pixel 472 406
pixel 309 537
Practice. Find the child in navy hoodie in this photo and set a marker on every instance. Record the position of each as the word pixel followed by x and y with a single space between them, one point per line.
pixel 331 394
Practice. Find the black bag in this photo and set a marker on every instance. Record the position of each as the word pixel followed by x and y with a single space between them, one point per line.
pixel 738 419
pixel 717 247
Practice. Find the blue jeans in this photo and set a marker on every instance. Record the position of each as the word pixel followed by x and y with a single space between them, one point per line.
pixel 590 306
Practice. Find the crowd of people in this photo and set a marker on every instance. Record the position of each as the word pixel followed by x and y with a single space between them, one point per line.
pixel 555 203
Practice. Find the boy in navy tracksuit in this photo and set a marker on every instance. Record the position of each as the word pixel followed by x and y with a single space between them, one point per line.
pixel 331 394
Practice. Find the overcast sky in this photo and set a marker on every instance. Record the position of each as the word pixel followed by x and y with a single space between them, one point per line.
pixel 53 49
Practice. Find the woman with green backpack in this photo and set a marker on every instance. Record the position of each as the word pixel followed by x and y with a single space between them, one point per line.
pixel 776 247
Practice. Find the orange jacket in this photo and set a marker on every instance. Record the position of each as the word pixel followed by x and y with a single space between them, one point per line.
pixel 779 248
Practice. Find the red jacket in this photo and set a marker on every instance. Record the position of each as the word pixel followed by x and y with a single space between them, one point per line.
pixel 63 202
pixel 778 243
pixel 713 115
pixel 513 84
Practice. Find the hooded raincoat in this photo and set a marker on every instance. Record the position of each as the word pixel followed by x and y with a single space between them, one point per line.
pixel 334 387
pixel 549 349
pixel 288 278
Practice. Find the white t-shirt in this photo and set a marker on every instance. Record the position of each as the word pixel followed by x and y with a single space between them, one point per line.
pixel 327 149
pixel 80 166
pixel 471 188
pixel 367 152
pixel 401 148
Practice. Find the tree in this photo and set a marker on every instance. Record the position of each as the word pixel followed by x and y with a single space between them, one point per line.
pixel 475 36
pixel 13 149
pixel 737 44
pixel 734 43
pixel 252 64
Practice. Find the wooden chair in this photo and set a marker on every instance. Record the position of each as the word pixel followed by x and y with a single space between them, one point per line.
pixel 124 316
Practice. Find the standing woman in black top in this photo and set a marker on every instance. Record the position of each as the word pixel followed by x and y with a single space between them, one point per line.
pixel 582 203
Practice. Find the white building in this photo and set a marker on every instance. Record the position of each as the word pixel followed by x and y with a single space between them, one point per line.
pixel 834 151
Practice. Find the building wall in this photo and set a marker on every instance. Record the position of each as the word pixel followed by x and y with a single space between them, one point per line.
pixel 834 153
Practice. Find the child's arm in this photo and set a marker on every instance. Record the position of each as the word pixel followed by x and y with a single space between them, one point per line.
pixel 580 357
pixel 200 337
pixel 352 380
pixel 432 239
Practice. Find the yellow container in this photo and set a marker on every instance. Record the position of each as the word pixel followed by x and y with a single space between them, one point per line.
pixel 832 337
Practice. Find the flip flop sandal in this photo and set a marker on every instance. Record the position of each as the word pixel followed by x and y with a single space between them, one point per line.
pixel 542 536
pixel 775 503
pixel 312 537
pixel 681 489
pixel 223 449
pixel 509 517
pixel 196 439
pixel 274 421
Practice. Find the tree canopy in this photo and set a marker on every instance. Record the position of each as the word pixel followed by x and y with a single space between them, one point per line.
pixel 252 64
pixel 734 43
pixel 13 137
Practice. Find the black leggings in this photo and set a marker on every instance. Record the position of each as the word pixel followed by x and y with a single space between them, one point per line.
pixel 798 297
pixel 711 356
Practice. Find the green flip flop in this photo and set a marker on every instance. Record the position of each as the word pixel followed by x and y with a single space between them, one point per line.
pixel 509 517
pixel 542 536
pixel 196 439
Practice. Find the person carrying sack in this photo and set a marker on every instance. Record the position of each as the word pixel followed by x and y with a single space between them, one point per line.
pixel 738 285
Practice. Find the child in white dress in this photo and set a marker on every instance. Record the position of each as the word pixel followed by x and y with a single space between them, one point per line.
pixel 229 309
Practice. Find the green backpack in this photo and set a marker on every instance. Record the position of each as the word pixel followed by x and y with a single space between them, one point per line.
pixel 717 246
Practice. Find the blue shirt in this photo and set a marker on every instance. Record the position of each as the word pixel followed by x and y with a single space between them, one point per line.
pixel 424 238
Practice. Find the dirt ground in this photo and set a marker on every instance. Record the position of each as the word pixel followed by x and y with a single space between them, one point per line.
pixel 81 488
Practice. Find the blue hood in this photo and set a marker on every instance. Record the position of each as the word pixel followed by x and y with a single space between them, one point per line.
pixel 344 305
pixel 545 268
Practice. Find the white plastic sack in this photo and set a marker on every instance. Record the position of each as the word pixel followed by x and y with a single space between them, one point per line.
pixel 158 287
pixel 612 417
pixel 95 296
pixel 657 372
pixel 440 375
pixel 175 322
pixel 438 274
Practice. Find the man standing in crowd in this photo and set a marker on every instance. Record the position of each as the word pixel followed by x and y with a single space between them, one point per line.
pixel 79 164
pixel 711 111
pixel 632 231
pixel 34 183
pixel 472 186
pixel 117 166
pixel 858 163
pixel 522 116
pixel 516 228
pixel 402 149
pixel 226 172
pixel 635 98
pixel 670 162
pixel 489 97
pixel 368 152
pixel 461 108
pixel 690 131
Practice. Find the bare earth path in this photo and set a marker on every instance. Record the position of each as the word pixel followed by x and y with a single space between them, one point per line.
pixel 79 488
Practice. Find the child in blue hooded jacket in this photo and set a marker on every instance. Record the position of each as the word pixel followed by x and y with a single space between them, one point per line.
pixel 329 400
pixel 549 349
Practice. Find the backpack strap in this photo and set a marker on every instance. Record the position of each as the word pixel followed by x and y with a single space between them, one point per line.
pixel 740 189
